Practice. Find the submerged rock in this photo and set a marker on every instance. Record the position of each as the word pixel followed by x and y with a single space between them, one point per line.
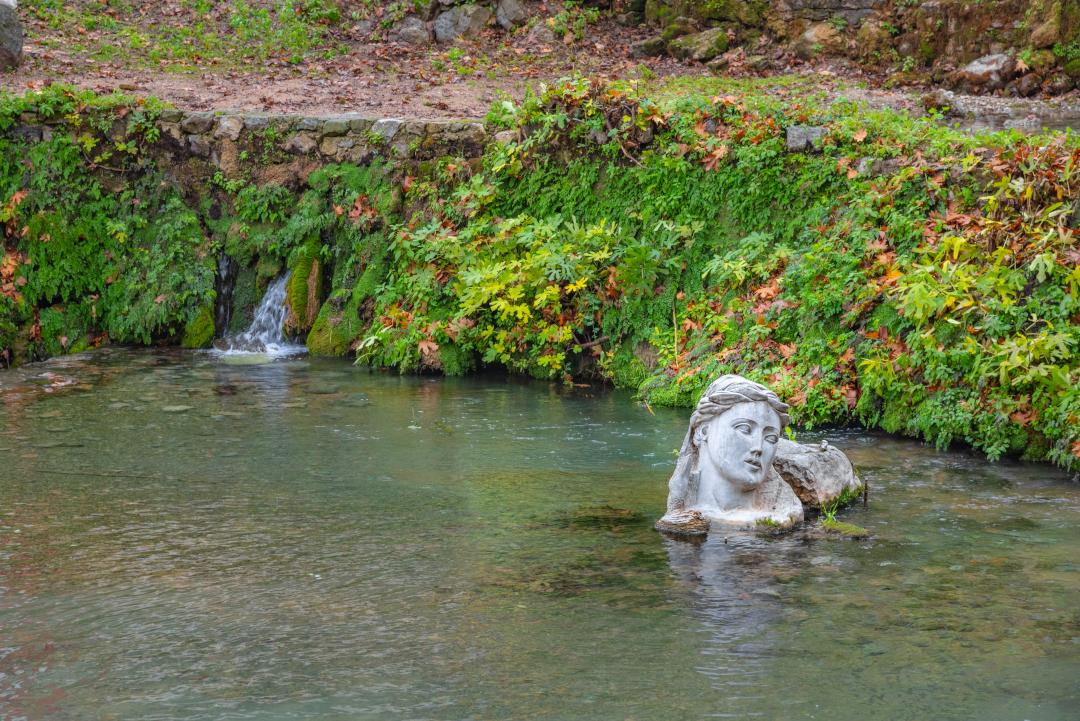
pixel 819 474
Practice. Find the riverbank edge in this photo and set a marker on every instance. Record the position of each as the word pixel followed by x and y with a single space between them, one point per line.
pixel 243 176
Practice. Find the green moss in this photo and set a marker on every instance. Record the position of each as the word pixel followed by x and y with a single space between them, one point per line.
pixel 199 331
pixel 304 290
pixel 625 369
pixel 848 530
pixel 334 331
pixel 246 293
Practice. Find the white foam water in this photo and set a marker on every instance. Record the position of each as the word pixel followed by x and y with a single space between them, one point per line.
pixel 265 336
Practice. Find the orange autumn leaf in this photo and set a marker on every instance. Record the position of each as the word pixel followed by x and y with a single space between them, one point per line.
pixel 860 135
pixel 787 350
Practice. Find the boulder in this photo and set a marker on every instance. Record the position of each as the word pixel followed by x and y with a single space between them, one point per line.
pixel 703 46
pixel 510 14
pixel 678 27
pixel 1058 84
pixel 648 48
pixel 411 31
pixel 11 36
pixel 819 39
pixel 804 138
pixel 461 21
pixel 541 34
pixel 873 38
pixel 1047 33
pixel 819 474
pixel 1028 85
pixel 990 72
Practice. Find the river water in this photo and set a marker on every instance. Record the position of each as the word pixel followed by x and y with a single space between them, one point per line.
pixel 182 537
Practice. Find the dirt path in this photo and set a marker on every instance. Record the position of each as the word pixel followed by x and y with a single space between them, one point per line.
pixel 352 69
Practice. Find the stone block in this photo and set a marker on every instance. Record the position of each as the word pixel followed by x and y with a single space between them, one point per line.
pixel 333 127
pixel 229 127
pixel 196 123
pixel 301 143
pixel 199 146
pixel 804 138
pixel 387 128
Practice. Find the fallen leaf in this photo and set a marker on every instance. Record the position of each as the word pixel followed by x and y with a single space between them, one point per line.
pixel 860 135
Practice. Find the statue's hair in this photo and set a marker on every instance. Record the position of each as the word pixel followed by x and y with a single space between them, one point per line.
pixel 719 397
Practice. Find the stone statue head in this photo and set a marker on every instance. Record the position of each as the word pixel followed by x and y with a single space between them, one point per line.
pixel 726 457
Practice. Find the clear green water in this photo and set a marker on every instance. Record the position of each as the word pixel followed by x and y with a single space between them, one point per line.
pixel 186 539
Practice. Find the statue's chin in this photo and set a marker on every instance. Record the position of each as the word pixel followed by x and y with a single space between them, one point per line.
pixel 750 484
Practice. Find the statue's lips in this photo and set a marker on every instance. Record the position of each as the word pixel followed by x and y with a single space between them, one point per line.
pixel 755 464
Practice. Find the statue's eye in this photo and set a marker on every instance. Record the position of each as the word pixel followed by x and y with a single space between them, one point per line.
pixel 742 427
pixel 772 438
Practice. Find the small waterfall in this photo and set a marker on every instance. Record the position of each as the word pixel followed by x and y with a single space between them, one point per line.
pixel 265 334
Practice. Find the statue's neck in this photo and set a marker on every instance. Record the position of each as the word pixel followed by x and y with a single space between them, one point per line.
pixel 714 491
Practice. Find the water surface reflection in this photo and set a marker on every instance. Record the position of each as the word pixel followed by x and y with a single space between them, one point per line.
pixel 186 539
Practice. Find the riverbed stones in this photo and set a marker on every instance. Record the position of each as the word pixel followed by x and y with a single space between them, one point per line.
pixel 461 21
pixel 11 36
pixel 820 474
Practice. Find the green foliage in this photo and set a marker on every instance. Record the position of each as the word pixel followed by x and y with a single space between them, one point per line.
pixel 655 243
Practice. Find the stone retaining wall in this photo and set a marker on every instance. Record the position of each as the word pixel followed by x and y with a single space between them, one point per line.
pixel 275 147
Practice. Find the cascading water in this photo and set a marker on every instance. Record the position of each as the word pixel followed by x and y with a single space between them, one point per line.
pixel 265 334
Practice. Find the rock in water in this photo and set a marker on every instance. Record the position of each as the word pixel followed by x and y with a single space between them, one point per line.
pixel 11 36
pixel 819 474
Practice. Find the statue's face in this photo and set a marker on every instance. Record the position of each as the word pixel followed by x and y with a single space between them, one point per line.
pixel 741 442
